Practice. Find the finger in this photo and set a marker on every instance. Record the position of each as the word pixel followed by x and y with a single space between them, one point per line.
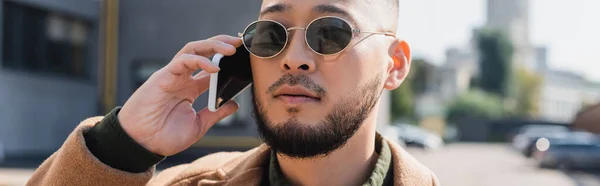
pixel 208 118
pixel 223 44
pixel 233 41
pixel 188 63
pixel 201 74
pixel 202 79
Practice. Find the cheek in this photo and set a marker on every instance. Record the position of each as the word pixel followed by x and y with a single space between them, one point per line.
pixel 353 70
pixel 264 74
pixel 343 77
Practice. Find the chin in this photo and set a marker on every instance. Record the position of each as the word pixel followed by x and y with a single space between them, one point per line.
pixel 292 121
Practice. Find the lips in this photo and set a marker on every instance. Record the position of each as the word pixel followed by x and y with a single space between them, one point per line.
pixel 296 95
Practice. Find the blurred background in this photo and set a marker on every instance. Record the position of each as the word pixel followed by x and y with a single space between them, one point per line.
pixel 501 92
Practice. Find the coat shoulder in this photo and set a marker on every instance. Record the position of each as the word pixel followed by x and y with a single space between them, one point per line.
pixel 216 167
pixel 408 170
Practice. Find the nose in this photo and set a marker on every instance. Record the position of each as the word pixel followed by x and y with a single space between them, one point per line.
pixel 297 57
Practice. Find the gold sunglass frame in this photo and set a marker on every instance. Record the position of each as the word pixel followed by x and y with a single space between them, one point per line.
pixel 288 30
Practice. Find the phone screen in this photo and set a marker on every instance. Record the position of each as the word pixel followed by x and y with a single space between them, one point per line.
pixel 235 76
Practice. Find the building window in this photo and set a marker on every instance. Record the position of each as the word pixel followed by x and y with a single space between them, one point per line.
pixel 40 41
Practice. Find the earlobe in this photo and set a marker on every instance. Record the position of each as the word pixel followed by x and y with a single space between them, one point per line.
pixel 401 56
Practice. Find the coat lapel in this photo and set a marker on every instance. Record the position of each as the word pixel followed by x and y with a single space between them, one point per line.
pixel 407 170
pixel 249 169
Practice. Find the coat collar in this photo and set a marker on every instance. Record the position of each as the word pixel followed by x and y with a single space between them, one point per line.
pixel 250 165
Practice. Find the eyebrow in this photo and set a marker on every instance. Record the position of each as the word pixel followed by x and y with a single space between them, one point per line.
pixel 277 8
pixel 323 8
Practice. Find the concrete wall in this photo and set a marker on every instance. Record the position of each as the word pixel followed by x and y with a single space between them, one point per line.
pixel 38 111
pixel 152 31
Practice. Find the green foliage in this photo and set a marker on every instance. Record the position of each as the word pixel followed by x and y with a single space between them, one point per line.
pixel 419 72
pixel 475 104
pixel 528 90
pixel 403 104
pixel 495 56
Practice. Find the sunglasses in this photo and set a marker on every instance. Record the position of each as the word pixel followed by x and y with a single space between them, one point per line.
pixel 325 36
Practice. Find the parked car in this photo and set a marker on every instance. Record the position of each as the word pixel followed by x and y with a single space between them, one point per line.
pixel 567 137
pixel 569 155
pixel 391 133
pixel 419 137
pixel 529 134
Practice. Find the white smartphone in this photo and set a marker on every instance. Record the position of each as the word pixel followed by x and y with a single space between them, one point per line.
pixel 234 77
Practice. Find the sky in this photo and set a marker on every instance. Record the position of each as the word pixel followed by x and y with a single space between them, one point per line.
pixel 570 29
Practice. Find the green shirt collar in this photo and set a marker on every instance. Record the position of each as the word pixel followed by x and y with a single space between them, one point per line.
pixel 381 175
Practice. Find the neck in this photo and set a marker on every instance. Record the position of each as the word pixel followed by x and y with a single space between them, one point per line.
pixel 351 164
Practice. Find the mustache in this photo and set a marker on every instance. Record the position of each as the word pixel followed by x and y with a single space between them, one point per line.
pixel 302 80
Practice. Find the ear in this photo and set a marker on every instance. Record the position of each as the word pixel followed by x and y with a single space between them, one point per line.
pixel 398 71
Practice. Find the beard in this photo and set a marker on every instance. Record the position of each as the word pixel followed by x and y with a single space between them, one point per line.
pixel 303 140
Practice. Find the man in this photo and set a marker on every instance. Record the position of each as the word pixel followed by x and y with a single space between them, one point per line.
pixel 319 67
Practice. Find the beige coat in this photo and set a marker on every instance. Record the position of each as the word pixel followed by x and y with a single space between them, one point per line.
pixel 73 164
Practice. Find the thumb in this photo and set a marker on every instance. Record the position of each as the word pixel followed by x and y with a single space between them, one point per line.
pixel 208 118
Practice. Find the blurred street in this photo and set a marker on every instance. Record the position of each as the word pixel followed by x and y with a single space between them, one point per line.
pixel 14 176
pixel 461 164
pixel 473 164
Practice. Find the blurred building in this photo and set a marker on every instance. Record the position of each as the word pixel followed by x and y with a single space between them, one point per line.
pixel 48 71
pixel 512 17
pixel 66 60
pixel 563 93
pixel 462 63
pixel 541 59
pixel 459 69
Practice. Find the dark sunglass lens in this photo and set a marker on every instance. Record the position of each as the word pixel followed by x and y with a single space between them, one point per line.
pixel 328 35
pixel 265 38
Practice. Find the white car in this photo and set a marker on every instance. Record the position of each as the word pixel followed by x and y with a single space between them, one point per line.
pixel 391 133
pixel 417 136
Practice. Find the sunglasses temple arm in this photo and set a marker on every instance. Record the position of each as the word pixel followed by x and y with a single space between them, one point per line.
pixel 382 33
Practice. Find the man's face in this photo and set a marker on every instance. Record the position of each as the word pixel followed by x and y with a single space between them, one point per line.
pixel 307 104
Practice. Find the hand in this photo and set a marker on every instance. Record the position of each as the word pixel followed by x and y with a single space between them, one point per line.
pixel 159 114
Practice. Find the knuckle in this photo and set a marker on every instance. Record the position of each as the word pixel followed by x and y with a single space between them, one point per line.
pixel 188 56
pixel 214 42
pixel 221 36
pixel 183 58
pixel 189 44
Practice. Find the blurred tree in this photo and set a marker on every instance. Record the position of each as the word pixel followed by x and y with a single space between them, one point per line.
pixel 475 104
pixel 419 73
pixel 528 90
pixel 403 104
pixel 495 57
